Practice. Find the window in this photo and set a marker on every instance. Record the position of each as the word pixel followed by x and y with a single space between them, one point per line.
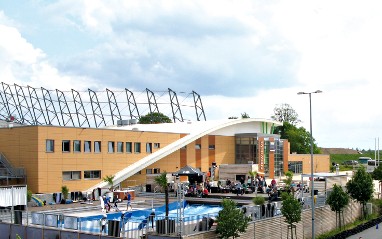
pixel 137 147
pixel 97 146
pixel 198 146
pixel 87 146
pixel 71 175
pixel 120 147
pixel 184 147
pixel 110 147
pixel 211 146
pixel 149 171
pixel 156 145
pixel 129 147
pixel 49 145
pixel 295 166
pixel 66 146
pixel 149 147
pixel 156 170
pixel 95 174
pixel 77 146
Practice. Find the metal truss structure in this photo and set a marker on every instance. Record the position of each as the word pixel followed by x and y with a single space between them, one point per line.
pixel 40 106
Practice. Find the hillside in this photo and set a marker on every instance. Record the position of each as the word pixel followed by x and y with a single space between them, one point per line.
pixel 338 151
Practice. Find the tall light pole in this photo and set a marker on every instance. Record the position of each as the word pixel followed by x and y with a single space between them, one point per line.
pixel 311 152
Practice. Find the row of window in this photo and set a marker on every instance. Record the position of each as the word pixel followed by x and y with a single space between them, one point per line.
pixel 199 146
pixel 119 147
pixel 96 174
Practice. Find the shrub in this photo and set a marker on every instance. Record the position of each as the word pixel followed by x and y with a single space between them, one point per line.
pixel 259 200
pixel 29 195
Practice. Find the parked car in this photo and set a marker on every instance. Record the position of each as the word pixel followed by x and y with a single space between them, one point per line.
pixel 350 162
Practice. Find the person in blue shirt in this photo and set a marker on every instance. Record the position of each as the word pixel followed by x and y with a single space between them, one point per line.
pixel 129 201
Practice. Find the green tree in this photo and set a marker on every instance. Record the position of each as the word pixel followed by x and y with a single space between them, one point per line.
pixel 291 210
pixel 153 118
pixel 231 220
pixel 161 180
pixel 360 188
pixel 288 181
pixel 299 138
pixel 65 191
pixel 110 180
pixel 338 199
pixel 377 175
pixel 285 113
pixel 245 115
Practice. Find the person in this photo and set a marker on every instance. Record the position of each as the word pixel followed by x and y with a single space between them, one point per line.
pixel 151 217
pixel 205 192
pixel 103 223
pixel 106 202
pixel 239 189
pixel 128 201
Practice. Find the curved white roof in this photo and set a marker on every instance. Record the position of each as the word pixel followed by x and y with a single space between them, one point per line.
pixel 195 130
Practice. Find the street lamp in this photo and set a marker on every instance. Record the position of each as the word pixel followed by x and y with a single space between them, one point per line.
pixel 311 151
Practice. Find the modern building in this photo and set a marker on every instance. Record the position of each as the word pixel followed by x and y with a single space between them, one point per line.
pixel 79 158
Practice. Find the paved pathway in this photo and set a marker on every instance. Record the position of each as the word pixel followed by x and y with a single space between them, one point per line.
pixel 371 233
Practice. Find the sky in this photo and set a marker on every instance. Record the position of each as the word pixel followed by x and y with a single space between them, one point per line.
pixel 240 56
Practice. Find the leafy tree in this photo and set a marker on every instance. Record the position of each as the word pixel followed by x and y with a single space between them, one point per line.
pixel 291 210
pixel 231 220
pixel 245 115
pixel 360 188
pixel 299 138
pixel 285 113
pixel 65 191
pixel 161 180
pixel 288 180
pixel 110 180
pixel 153 118
pixel 338 199
pixel 377 175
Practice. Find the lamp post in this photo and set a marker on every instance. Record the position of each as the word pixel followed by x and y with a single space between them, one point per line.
pixel 311 152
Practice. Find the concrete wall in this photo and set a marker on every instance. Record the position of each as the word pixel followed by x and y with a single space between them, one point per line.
pixel 321 162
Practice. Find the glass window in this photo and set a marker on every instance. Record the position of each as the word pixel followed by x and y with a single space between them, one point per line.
pixel 97 146
pixel 95 174
pixel 149 171
pixel 295 166
pixel 137 147
pixel 77 146
pixel 156 170
pixel 71 175
pixel 87 146
pixel 66 146
pixel 156 145
pixel 211 146
pixel 49 145
pixel 149 147
pixel 110 147
pixel 198 146
pixel 120 147
pixel 129 147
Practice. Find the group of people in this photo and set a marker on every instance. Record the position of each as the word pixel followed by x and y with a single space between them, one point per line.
pixel 241 186
pixel 198 190
pixel 107 206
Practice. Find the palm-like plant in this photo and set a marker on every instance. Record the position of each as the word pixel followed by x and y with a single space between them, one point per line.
pixel 110 180
pixel 161 180
pixel 253 174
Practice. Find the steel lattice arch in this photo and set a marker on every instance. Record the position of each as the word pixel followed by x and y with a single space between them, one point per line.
pixel 27 105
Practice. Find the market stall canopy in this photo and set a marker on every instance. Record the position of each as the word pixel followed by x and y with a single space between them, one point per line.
pixel 188 171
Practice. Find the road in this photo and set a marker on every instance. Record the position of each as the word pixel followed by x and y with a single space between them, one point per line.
pixel 371 233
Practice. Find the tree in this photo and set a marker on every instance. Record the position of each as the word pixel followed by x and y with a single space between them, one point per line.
pixel 161 180
pixel 245 115
pixel 288 180
pixel 154 118
pixel 285 113
pixel 377 175
pixel 65 191
pixel 299 138
pixel 231 220
pixel 291 210
pixel 360 188
pixel 110 180
pixel 338 199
